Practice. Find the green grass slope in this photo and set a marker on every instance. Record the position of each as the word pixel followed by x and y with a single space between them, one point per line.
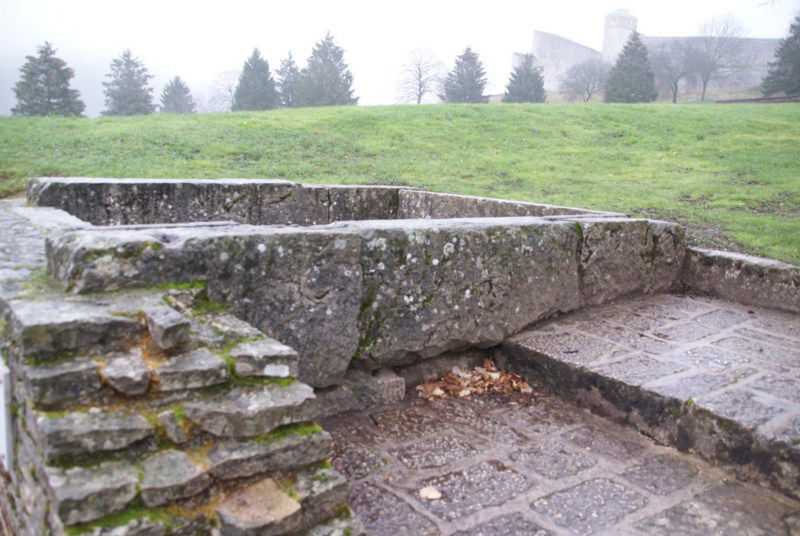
pixel 731 173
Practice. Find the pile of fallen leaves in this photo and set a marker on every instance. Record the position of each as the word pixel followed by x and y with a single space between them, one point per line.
pixel 478 381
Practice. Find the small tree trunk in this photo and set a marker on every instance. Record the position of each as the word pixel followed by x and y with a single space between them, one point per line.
pixel 705 85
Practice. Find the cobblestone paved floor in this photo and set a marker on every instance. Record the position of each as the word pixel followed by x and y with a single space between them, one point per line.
pixel 521 465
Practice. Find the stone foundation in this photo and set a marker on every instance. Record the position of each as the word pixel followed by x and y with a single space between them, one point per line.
pixel 154 329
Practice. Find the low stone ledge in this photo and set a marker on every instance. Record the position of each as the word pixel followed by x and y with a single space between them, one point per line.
pixel 170 476
pixel 231 460
pixel 242 414
pixel 743 278
pixel 86 494
pixel 77 434
pixel 424 204
pixel 68 382
pixel 51 329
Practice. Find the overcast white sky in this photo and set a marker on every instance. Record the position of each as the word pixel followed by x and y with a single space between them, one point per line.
pixel 198 39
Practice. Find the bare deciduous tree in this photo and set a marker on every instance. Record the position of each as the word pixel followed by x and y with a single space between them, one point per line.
pixel 585 80
pixel 672 62
pixel 719 51
pixel 222 90
pixel 421 76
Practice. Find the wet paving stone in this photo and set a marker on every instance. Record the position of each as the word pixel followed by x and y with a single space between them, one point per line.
pixel 782 386
pixel 590 506
pixel 685 332
pixel 477 422
pixel 552 460
pixel 767 338
pixel 636 321
pixel 692 386
pixel 743 407
pixel 406 422
pixel 356 462
pixel 547 417
pixel 638 369
pixel 600 441
pixel 725 510
pixel 661 475
pixel 709 357
pixel 722 319
pixel 507 525
pixel 434 451
pixel 383 513
pixel 470 490
pixel 779 323
pixel 569 347
pixel 759 350
pixel 638 341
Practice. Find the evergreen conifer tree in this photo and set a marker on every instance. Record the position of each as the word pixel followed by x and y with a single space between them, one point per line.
pixel 176 98
pixel 326 80
pixel 44 87
pixel 784 72
pixel 256 88
pixel 287 77
pixel 127 92
pixel 631 79
pixel 526 83
pixel 467 80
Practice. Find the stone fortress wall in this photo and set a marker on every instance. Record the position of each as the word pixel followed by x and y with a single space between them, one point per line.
pixel 171 342
pixel 556 54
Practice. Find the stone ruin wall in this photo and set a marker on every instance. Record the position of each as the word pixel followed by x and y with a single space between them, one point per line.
pixel 370 289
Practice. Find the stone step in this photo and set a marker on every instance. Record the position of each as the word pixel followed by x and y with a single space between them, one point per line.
pixel 85 494
pixel 709 377
pixel 264 357
pixel 249 412
pixel 239 459
pixel 267 508
pixel 80 434
pixel 51 330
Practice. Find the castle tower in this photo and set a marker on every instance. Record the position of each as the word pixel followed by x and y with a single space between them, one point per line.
pixel 619 27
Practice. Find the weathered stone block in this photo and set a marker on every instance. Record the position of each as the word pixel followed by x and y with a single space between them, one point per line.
pixel 248 413
pixel 169 476
pixel 434 286
pixel 265 357
pixel 59 328
pixel 262 509
pixel 302 288
pixel 127 373
pixel 242 459
pixel 615 258
pixel 85 494
pixel 94 431
pixel 743 278
pixel 361 390
pixel 71 381
pixel 172 427
pixel 198 368
pixel 168 328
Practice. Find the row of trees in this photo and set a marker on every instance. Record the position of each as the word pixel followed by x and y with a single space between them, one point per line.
pixel 423 76
pixel 326 80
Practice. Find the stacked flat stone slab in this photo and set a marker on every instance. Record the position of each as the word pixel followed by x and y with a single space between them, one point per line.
pixel 710 377
pixel 132 414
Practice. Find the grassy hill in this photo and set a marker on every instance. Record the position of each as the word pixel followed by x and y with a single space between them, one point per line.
pixel 731 173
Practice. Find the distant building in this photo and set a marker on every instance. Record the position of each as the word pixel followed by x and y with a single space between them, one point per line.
pixel 556 54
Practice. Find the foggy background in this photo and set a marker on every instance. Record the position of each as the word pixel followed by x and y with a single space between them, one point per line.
pixel 198 40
